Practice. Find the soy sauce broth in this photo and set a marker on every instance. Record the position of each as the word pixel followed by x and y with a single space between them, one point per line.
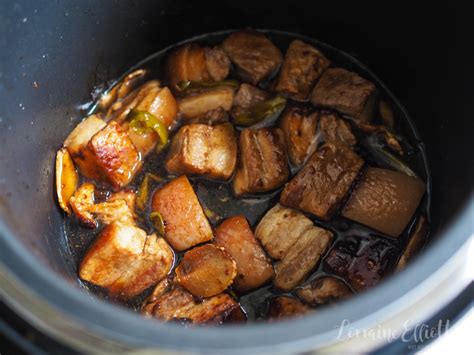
pixel 218 196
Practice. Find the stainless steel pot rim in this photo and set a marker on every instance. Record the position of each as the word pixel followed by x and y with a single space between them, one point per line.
pixel 77 317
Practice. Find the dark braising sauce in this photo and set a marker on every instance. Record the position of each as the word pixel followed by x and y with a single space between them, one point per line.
pixel 350 238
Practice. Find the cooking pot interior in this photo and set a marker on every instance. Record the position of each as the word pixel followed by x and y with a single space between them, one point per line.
pixel 53 55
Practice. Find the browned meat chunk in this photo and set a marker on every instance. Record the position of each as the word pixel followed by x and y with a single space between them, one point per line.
pixel 346 92
pixel 255 56
pixel 303 65
pixel 206 271
pixel 119 207
pixel 280 228
pixel 81 202
pixel 301 258
pixel 188 62
pixel 194 63
pixel 305 128
pixel 323 182
pixel 198 104
pixel 125 261
pixel 362 261
pixel 170 302
pixel 205 150
pixel 185 222
pixel 76 144
pixel 323 290
pixel 283 307
pixel 300 125
pixel 115 155
pixel 253 266
pixel 385 200
pixel 247 96
pixel 263 163
pixel 217 63
pixel 417 238
pixel 237 315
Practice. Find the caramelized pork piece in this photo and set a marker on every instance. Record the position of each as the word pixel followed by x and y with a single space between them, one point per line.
pixel 385 200
pixel 417 238
pixel 119 207
pixel 76 144
pixel 81 202
pixel 194 63
pixel 303 65
pixel 247 96
pixel 300 126
pixel 301 258
pixel 280 228
pixel 253 266
pixel 206 271
pixel 125 261
pixel 284 307
pixel 170 302
pixel 204 150
pixel 115 155
pixel 217 63
pixel 361 261
pixel 305 127
pixel 263 163
pixel 66 179
pixel 323 290
pixel 346 92
pixel 323 182
pixel 255 56
pixel 185 222
pixel 150 97
pixel 198 104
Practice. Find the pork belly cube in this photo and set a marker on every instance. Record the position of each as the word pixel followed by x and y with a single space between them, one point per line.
pixel 170 302
pixel 301 258
pixel 284 307
pixel 119 207
pixel 305 128
pixel 204 150
pixel 81 203
pixel 347 93
pixel 323 182
pixel 361 261
pixel 333 128
pixel 206 271
pixel 280 228
pixel 198 104
pixel 302 67
pixel 300 126
pixel 185 222
pixel 417 239
pixel 76 144
pixel 195 63
pixel 385 200
pixel 255 56
pixel 263 163
pixel 125 261
pixel 323 290
pixel 188 62
pixel 115 155
pixel 217 63
pixel 246 97
pixel 254 268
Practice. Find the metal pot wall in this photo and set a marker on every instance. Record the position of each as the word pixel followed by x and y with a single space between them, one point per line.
pixel 53 54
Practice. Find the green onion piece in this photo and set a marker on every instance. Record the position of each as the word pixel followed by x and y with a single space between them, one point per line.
pixel 144 189
pixel 211 215
pixel 199 85
pixel 260 111
pixel 143 121
pixel 158 223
